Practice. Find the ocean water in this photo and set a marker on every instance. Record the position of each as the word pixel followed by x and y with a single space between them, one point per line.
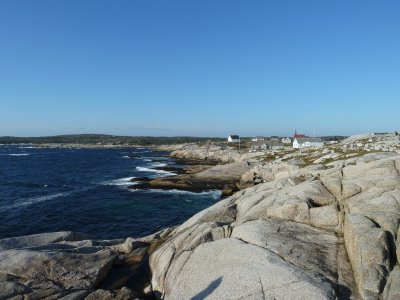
pixel 85 190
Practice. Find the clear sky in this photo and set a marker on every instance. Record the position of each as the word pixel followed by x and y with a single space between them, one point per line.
pixel 199 67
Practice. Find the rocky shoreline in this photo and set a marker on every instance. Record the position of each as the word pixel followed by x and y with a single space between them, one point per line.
pixel 319 224
pixel 198 178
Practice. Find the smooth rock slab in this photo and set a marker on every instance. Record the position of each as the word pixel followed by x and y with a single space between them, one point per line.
pixel 67 270
pixel 35 240
pixel 368 250
pixel 232 269
pixel 293 242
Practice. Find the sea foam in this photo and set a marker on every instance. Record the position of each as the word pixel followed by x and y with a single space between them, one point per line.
pixel 159 172
pixel 32 200
pixel 120 181
pixel 23 202
pixel 215 194
pixel 158 165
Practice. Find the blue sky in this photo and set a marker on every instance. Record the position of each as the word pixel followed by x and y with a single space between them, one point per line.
pixel 199 67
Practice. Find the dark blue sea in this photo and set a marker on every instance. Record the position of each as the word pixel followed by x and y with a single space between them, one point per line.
pixel 85 190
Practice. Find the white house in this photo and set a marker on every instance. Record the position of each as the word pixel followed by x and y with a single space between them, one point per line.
pixel 307 142
pixel 258 138
pixel 286 140
pixel 233 138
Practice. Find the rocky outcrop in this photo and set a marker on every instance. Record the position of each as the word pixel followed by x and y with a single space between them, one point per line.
pixel 227 178
pixel 314 232
pixel 206 152
pixel 210 152
pixel 67 265
pixel 305 234
pixel 389 142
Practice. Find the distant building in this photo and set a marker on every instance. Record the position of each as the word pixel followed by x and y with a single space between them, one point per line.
pixel 233 138
pixel 298 135
pixel 274 138
pixel 307 142
pixel 267 145
pixel 258 138
pixel 286 140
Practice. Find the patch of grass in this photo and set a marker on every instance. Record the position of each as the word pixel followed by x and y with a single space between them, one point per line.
pixel 155 244
pixel 307 162
pixel 267 158
pixel 359 153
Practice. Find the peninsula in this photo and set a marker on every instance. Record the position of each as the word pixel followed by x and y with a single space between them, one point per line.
pixel 309 223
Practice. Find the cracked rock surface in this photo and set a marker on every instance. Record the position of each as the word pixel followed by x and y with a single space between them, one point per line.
pixel 69 266
pixel 315 234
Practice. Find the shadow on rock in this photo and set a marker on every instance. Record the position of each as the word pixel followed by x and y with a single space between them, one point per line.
pixel 208 290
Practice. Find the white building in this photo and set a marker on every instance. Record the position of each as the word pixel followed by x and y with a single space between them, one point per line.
pixel 286 140
pixel 258 138
pixel 233 138
pixel 307 142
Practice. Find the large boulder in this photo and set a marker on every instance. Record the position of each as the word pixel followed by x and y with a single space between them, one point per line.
pixel 232 269
pixel 68 270
pixel 66 265
pixel 293 242
pixel 368 250
pixel 337 226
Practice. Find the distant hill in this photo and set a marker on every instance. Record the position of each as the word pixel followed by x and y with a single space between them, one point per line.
pixel 104 139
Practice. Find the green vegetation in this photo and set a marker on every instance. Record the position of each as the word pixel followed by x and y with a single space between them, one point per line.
pixel 333 138
pixel 267 158
pixel 244 145
pixel 102 139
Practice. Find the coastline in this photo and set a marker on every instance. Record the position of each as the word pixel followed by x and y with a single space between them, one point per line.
pixel 307 217
pixel 77 146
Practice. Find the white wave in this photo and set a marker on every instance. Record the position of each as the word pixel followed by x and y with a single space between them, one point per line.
pixel 120 181
pixel 215 194
pixel 156 158
pixel 159 172
pixel 27 147
pixel 125 156
pixel 159 165
pixel 33 200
